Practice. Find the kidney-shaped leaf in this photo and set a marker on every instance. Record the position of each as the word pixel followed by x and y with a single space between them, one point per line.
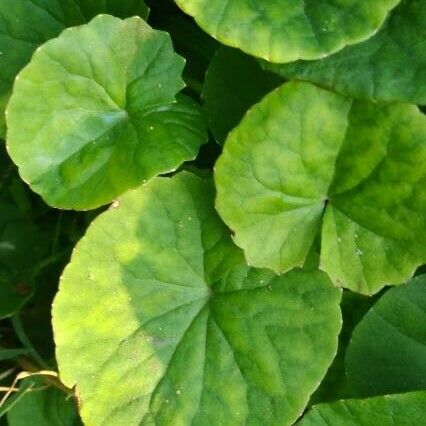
pixel 305 157
pixel 389 410
pixel 387 351
pixel 177 329
pixel 287 30
pixel 390 66
pixel 94 113
pixel 26 24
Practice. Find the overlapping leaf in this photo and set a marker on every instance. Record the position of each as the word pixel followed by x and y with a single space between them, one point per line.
pixel 234 82
pixel 388 410
pixel 43 406
pixel 335 384
pixel 177 329
pixel 95 114
pixel 305 159
pixel 26 24
pixel 189 40
pixel 390 66
pixel 287 30
pixel 387 352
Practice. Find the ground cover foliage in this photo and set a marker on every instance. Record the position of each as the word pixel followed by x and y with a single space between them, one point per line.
pixel 212 212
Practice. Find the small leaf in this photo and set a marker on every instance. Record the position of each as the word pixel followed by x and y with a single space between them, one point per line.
pixel 26 24
pixel 287 30
pixel 169 309
pixel 305 159
pixel 390 66
pixel 100 113
pixel 234 82
pixel 388 410
pixel 387 351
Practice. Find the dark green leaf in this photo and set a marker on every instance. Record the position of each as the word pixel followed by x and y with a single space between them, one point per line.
pixel 188 39
pixel 234 82
pixel 390 66
pixel 22 246
pixel 389 410
pixel 387 352
pixel 43 406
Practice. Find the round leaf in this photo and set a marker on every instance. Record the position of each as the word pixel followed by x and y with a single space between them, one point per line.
pixel 94 113
pixel 390 66
pixel 234 82
pixel 388 410
pixel 305 158
pixel 24 25
pixel 387 351
pixel 169 309
pixel 287 30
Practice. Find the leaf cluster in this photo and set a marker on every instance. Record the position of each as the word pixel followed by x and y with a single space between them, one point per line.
pixel 212 212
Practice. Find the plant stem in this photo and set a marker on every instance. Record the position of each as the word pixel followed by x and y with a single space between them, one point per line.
pixel 28 365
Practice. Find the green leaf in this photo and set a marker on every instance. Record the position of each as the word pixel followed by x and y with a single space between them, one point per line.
pixel 170 310
pixel 335 384
pixel 12 400
pixel 287 30
pixel 189 40
pixel 387 351
pixel 390 66
pixel 43 406
pixel 234 82
pixel 100 113
pixel 26 24
pixel 388 410
pixel 22 246
pixel 305 158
